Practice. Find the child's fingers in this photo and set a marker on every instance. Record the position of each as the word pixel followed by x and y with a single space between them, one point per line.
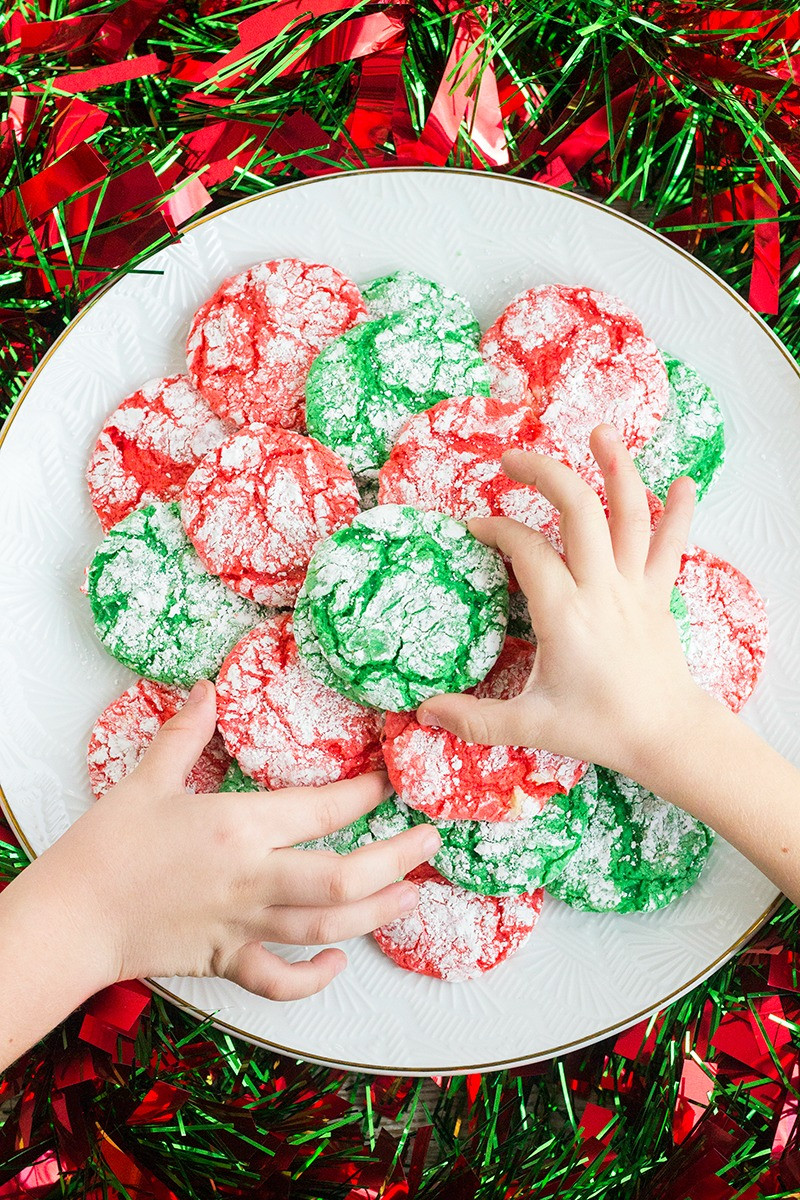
pixel 540 572
pixel 669 540
pixel 311 878
pixel 180 741
pixel 302 814
pixel 516 722
pixel 583 524
pixel 628 510
pixel 265 974
pixel 322 925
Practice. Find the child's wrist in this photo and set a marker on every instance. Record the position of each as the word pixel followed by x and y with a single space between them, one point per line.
pixel 658 757
pixel 78 909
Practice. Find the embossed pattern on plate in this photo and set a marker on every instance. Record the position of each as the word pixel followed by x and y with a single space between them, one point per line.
pixel 579 976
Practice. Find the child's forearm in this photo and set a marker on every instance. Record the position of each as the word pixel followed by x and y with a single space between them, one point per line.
pixel 711 764
pixel 50 955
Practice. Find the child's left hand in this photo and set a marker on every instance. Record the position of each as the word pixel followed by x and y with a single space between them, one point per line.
pixel 153 880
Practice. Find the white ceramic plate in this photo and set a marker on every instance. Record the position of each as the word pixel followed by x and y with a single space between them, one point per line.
pixel 580 976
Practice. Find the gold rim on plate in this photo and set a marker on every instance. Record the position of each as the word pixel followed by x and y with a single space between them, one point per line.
pixel 537 1055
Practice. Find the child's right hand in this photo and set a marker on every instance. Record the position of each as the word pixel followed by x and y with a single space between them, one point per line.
pixel 610 680
pixel 156 881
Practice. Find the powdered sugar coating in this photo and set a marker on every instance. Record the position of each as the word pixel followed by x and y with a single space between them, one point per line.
pixel 258 504
pixel 454 934
pixel 149 446
pixel 728 624
pixel 579 358
pixel 639 853
pixel 690 439
pixel 155 607
pixel 284 727
pixel 366 383
pixel 503 858
pixel 250 346
pixel 446 778
pixel 447 459
pixel 406 291
pixel 127 726
pixel 401 605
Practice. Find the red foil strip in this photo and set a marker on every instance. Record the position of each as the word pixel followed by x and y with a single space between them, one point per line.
pixel 592 134
pixel 766 274
pixel 221 146
pixel 120 72
pixel 352 39
pixel 261 28
pixel 75 122
pixel 300 133
pixel 454 101
pixel 159 1105
pixel 34 1181
pixel 50 37
pixel 138 1182
pixel 125 25
pixel 74 171
pixel 370 123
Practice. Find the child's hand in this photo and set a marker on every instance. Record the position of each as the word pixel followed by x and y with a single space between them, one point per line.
pixel 610 676
pixel 165 882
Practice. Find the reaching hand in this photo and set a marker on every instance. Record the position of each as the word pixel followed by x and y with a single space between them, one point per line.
pixel 192 884
pixel 609 668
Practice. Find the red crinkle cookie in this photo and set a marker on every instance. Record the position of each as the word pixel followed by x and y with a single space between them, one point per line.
pixel 250 346
pixel 257 505
pixel 284 727
pixel 579 358
pixel 149 446
pixel 449 779
pixel 125 729
pixel 454 934
pixel 447 459
pixel 728 626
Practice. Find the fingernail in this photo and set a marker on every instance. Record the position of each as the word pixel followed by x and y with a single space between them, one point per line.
pixel 198 693
pixel 388 789
pixel 431 843
pixel 611 434
pixel 409 899
pixel 429 719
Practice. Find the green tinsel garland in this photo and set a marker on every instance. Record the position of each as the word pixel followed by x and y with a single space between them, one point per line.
pixel 245 1123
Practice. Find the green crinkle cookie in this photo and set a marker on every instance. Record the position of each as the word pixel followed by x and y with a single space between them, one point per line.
pixel 690 438
pixel 408 292
pixel 389 818
pixel 155 607
pixel 677 606
pixel 639 852
pixel 365 383
pixel 401 605
pixel 506 858
pixel 235 780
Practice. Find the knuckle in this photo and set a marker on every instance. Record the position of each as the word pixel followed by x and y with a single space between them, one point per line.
pixel 586 504
pixel 339 883
pixel 274 988
pixel 322 930
pixel 328 816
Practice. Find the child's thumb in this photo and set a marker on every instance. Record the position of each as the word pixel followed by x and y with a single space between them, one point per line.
pixel 180 741
pixel 487 722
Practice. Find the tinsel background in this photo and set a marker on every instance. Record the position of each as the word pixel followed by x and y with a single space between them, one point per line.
pixel 121 122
